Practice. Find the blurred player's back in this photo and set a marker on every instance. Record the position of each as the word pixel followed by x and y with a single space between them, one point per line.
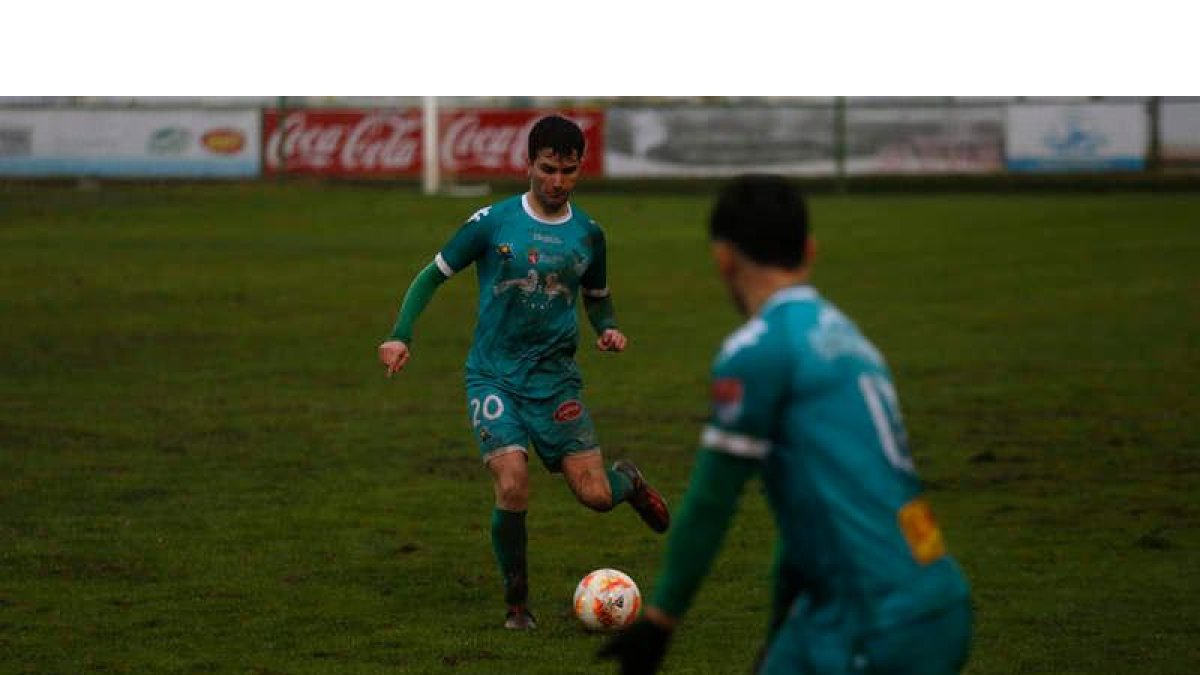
pixel 839 466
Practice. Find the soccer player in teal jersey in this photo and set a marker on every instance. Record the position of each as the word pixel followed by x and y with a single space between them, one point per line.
pixel 533 255
pixel 862 579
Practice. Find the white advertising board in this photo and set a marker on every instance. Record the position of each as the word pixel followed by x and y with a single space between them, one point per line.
pixel 715 141
pixel 925 140
pixel 1179 132
pixel 1078 137
pixel 130 143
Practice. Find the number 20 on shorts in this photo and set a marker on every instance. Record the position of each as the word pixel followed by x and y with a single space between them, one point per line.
pixel 492 407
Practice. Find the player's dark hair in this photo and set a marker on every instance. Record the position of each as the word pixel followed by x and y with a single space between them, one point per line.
pixel 764 217
pixel 559 134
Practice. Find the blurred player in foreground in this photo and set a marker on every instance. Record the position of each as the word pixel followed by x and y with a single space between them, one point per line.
pixel 533 254
pixel 862 579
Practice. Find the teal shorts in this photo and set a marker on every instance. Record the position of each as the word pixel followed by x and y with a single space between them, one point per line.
pixel 556 426
pixel 934 644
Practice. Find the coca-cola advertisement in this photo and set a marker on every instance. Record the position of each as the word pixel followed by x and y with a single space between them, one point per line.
pixel 482 143
pixel 496 142
pixel 342 142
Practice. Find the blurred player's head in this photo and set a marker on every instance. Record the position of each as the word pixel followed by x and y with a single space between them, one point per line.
pixel 759 232
pixel 556 147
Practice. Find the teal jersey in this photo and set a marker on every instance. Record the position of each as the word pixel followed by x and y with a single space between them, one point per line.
pixel 799 389
pixel 530 272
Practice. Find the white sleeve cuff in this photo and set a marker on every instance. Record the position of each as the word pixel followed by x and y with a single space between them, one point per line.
pixel 596 292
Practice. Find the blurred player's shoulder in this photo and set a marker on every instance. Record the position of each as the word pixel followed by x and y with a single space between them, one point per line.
pixel 742 339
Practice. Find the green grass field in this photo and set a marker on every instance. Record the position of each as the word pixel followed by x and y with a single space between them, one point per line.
pixel 202 468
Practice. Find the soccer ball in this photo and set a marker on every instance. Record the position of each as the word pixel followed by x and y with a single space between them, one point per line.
pixel 607 599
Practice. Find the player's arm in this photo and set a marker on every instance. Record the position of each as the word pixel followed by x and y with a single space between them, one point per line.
pixel 603 318
pixel 597 300
pixel 468 244
pixel 394 351
pixel 708 508
pixel 750 378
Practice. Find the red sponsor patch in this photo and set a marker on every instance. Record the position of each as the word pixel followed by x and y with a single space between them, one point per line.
pixel 533 256
pixel 726 391
pixel 567 411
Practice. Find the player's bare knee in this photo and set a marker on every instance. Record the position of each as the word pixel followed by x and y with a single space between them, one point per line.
pixel 595 497
pixel 513 499
pixel 512 493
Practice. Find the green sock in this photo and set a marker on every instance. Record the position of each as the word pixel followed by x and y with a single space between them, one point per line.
pixel 620 485
pixel 509 541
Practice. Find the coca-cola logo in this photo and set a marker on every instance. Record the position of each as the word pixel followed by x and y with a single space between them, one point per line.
pixel 471 142
pixel 381 141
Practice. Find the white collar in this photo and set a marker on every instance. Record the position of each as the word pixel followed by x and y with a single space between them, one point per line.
pixel 530 212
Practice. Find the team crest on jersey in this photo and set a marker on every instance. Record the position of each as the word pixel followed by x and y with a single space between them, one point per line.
pixel 568 411
pixel 505 251
pixel 533 256
pixel 727 395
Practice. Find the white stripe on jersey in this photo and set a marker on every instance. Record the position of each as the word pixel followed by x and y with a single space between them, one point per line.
pixel 734 444
pixel 443 265
pixel 596 292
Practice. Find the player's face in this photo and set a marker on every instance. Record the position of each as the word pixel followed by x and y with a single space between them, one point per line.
pixel 552 177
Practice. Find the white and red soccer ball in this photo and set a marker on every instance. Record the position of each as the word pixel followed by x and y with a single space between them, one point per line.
pixel 607 599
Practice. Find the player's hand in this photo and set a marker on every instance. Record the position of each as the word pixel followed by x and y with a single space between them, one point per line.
pixel 639 649
pixel 612 340
pixel 393 354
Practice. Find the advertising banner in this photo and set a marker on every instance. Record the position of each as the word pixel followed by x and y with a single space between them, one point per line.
pixel 496 142
pixel 474 143
pixel 926 140
pixel 713 141
pixel 1179 133
pixel 342 142
pixel 129 143
pixel 1077 137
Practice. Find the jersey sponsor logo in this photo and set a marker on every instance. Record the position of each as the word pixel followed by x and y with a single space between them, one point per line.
pixel 505 251
pixel 568 411
pixel 727 395
pixel 526 284
pixel 547 238
pixel 921 531
pixel 553 287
